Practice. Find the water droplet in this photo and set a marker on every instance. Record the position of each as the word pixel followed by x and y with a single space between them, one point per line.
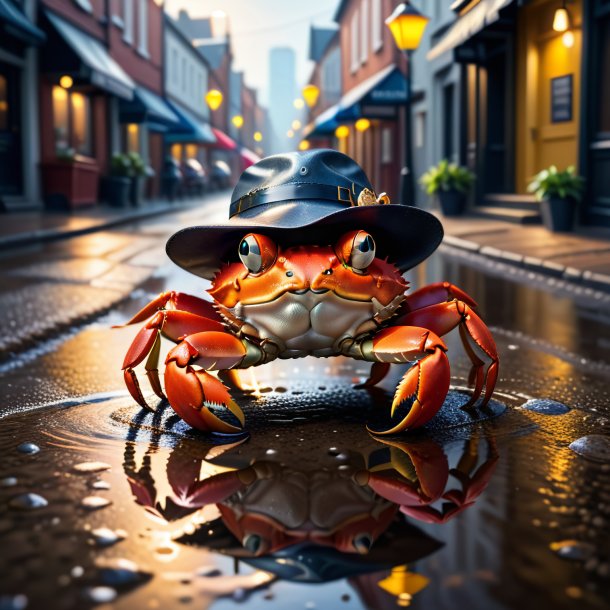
pixel 13 602
pixel 512 347
pixel 545 406
pixel 103 485
pixel 94 502
pixel 271 452
pixel 120 572
pixel 594 447
pixel 104 536
pixel 28 448
pixel 101 595
pixel 88 467
pixel 8 482
pixel 572 549
pixel 77 571
pixel 28 501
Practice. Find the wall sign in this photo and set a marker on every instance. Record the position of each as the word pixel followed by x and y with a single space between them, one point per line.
pixel 561 98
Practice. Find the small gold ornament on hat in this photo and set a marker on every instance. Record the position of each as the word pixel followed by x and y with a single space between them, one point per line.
pixel 367 197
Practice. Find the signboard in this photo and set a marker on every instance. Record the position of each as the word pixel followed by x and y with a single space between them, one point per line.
pixel 561 98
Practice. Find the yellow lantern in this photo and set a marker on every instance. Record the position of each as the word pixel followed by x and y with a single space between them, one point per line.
pixel 238 121
pixel 407 25
pixel 310 95
pixel 303 145
pixel 66 81
pixel 342 132
pixel 561 19
pixel 213 99
pixel 362 124
pixel 258 136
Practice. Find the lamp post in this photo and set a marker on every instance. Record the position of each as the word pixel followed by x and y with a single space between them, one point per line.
pixel 407 26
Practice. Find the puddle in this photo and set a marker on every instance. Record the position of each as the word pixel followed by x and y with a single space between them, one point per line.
pixel 308 510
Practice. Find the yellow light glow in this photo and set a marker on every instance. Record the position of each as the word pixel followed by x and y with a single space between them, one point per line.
pixel 304 145
pixel 213 99
pixel 238 121
pixel 296 124
pixel 59 94
pixel 568 39
pixel 132 128
pixel 66 81
pixel 561 21
pixel 362 124
pixel 407 26
pixel 310 95
pixel 290 133
pixel 298 103
pixel 342 132
pixel 258 136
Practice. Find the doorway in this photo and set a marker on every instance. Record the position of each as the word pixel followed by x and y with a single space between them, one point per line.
pixel 11 162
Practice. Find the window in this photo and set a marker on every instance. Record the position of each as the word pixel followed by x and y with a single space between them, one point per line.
pixel 364 31
pixel 184 74
pixel 72 122
pixel 448 122
pixel 128 21
pixel 386 145
pixel 3 104
pixel 131 138
pixel 143 28
pixel 175 73
pixel 377 24
pixel 420 129
pixel 355 58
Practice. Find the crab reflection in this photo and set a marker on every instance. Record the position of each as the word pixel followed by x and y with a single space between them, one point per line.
pixel 314 517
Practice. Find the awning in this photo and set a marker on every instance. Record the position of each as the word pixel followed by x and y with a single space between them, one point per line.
pixel 223 140
pixel 100 69
pixel 148 107
pixel 14 23
pixel 190 129
pixel 324 124
pixel 248 157
pixel 378 96
pixel 483 14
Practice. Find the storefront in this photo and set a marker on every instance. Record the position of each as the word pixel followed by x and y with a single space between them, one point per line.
pixel 18 120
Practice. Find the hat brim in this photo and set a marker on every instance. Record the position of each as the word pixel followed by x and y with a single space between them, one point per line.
pixel 405 235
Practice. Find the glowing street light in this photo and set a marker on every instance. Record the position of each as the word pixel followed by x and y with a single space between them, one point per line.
pixel 561 19
pixel 214 99
pixel 296 125
pixel 238 121
pixel 342 132
pixel 362 124
pixel 304 145
pixel 298 103
pixel 290 133
pixel 310 95
pixel 66 81
pixel 258 136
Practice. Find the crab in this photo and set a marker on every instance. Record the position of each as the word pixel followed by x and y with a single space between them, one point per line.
pixel 309 300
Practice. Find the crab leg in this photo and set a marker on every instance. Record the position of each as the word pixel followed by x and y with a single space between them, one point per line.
pixel 427 381
pixel 189 389
pixel 444 317
pixel 436 293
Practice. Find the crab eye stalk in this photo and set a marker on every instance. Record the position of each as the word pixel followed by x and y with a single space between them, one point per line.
pixel 257 253
pixel 356 250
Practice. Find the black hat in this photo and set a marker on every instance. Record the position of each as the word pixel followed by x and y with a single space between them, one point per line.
pixel 307 197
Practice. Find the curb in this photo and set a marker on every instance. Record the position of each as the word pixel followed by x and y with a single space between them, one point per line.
pixel 46 235
pixel 598 281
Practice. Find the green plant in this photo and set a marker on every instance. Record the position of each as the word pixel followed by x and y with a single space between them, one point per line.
pixel 551 182
pixel 138 167
pixel 120 165
pixel 446 177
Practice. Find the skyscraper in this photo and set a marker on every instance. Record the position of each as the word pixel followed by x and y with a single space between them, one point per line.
pixel 282 92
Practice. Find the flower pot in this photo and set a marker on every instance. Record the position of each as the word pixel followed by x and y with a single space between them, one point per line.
pixel 452 202
pixel 558 214
pixel 136 190
pixel 70 184
pixel 115 190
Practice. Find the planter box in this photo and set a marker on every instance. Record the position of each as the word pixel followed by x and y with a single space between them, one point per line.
pixel 115 191
pixel 558 214
pixel 452 202
pixel 70 184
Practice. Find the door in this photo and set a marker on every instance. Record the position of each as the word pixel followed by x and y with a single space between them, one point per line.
pixel 10 132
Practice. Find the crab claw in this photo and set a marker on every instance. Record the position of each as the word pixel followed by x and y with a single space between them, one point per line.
pixel 190 391
pixel 426 382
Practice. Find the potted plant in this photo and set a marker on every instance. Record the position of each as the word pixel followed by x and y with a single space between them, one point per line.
pixel 450 183
pixel 559 193
pixel 116 186
pixel 138 178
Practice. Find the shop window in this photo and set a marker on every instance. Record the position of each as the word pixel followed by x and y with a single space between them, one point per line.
pixel 191 151
pixel 132 138
pixel 603 122
pixel 420 129
pixel 354 29
pixel 176 152
pixel 143 28
pixel 377 24
pixel 3 104
pixel 72 122
pixel 386 145
pixel 364 31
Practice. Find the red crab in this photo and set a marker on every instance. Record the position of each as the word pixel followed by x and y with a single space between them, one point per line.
pixel 308 300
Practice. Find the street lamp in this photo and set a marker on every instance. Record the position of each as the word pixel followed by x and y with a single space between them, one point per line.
pixel 296 125
pixel 407 26
pixel 310 95
pixel 258 136
pixel 362 124
pixel 238 121
pixel 213 99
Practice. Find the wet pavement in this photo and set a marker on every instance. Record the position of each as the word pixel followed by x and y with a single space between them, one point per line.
pixel 104 504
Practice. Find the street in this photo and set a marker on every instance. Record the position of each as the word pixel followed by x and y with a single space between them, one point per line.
pixel 102 502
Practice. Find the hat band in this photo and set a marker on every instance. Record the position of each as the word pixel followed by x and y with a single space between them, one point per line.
pixel 299 190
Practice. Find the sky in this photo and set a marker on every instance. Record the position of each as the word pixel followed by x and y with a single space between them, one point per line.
pixel 259 25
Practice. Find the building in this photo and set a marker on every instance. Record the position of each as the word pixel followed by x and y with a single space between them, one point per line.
pixel 19 121
pixel 282 93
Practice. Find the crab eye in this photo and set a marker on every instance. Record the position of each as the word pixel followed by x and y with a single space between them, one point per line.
pixel 257 252
pixel 356 249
